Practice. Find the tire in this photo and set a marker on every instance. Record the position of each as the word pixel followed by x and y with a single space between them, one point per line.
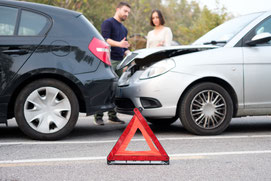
pixel 162 122
pixel 206 109
pixel 46 109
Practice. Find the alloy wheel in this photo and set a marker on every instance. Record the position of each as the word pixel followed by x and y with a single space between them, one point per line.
pixel 208 109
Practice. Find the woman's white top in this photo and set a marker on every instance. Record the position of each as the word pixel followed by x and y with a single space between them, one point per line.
pixel 164 37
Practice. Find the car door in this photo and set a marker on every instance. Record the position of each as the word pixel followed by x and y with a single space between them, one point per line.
pixel 21 31
pixel 257 69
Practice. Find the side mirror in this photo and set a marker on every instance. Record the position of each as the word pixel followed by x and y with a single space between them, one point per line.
pixel 259 39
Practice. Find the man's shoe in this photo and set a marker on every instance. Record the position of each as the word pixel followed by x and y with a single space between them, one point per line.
pixel 116 120
pixel 99 121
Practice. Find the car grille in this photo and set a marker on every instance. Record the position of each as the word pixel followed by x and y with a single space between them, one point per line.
pixel 124 103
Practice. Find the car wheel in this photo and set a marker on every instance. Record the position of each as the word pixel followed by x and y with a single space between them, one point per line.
pixel 206 109
pixel 162 122
pixel 46 109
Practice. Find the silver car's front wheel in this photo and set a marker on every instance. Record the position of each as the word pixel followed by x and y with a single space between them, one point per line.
pixel 206 109
pixel 46 109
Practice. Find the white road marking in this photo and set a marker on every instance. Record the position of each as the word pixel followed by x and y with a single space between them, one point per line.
pixel 114 141
pixel 172 157
pixel 221 153
pixel 53 160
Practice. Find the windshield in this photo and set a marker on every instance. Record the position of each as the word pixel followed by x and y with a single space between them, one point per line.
pixel 226 31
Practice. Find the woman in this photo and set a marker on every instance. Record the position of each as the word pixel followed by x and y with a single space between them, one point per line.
pixel 160 35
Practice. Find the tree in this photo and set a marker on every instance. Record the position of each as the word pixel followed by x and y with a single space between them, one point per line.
pixel 186 19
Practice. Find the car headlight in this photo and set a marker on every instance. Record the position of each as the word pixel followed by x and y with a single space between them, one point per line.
pixel 158 68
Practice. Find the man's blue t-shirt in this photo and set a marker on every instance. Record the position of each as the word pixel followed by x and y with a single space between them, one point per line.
pixel 114 30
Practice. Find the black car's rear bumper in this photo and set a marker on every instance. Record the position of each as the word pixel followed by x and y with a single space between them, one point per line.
pixel 101 96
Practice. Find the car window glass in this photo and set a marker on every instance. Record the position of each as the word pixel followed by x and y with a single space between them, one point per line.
pixel 264 27
pixel 8 18
pixel 227 30
pixel 31 24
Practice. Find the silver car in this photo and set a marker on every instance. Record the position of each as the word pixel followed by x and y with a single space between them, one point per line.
pixel 225 73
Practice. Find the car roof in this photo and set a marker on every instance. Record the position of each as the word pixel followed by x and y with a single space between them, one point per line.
pixel 40 7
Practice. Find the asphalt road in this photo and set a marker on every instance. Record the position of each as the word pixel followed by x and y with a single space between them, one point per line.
pixel 242 152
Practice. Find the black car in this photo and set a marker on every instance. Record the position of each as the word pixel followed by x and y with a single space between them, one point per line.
pixel 53 65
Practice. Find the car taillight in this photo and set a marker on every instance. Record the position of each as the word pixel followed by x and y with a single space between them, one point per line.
pixel 101 50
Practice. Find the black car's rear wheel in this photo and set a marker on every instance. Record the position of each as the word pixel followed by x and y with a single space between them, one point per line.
pixel 206 109
pixel 46 109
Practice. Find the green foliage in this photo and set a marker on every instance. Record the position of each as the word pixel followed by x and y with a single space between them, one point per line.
pixel 186 19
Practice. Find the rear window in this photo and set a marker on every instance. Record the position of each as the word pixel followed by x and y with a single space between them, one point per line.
pixel 8 17
pixel 32 24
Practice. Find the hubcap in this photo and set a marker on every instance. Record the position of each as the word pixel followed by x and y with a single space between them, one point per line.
pixel 208 109
pixel 47 110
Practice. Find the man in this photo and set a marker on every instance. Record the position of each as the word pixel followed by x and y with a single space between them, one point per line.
pixel 115 35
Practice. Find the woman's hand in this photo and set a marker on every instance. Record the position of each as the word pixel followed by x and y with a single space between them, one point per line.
pixel 161 43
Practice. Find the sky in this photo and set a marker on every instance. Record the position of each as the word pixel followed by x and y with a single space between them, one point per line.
pixel 238 7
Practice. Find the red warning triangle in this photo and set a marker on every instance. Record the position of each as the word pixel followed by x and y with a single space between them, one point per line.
pixel 156 154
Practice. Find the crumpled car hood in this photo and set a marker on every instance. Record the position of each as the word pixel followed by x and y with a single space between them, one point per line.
pixel 150 55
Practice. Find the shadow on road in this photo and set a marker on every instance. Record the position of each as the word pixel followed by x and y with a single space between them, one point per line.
pixel 113 131
pixel 250 125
